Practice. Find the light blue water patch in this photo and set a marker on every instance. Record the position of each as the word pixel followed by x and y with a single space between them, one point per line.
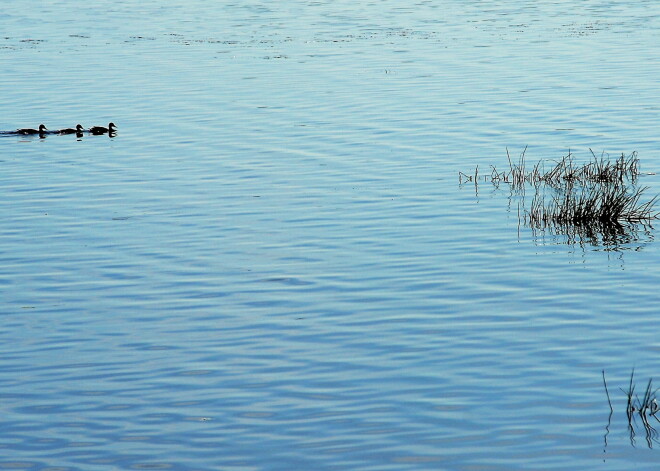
pixel 273 265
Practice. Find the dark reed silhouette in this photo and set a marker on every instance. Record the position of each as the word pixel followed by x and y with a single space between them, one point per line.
pixel 596 202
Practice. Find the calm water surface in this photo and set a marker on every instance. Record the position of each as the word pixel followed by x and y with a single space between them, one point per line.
pixel 273 266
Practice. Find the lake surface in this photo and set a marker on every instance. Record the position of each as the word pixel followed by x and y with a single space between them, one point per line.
pixel 273 266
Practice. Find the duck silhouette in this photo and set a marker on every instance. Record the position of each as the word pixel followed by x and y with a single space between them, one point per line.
pixel 78 130
pixel 26 131
pixel 102 129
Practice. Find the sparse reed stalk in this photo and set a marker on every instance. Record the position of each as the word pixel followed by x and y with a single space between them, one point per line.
pixel 645 408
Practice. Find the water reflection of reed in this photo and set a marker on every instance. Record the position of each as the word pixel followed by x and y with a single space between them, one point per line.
pixel 610 236
pixel 609 215
pixel 596 203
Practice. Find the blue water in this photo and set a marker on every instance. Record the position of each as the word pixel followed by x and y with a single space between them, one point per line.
pixel 273 266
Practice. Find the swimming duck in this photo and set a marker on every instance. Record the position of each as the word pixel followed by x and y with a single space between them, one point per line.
pixel 42 130
pixel 78 130
pixel 102 130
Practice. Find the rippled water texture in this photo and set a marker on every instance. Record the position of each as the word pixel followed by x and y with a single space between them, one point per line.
pixel 273 266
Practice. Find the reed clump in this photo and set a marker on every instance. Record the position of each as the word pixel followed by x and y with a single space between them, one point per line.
pixel 595 200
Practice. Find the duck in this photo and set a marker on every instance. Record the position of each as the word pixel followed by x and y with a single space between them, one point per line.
pixel 102 129
pixel 42 130
pixel 78 130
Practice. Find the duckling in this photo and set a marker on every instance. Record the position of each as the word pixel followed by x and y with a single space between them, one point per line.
pixel 42 130
pixel 78 130
pixel 102 130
